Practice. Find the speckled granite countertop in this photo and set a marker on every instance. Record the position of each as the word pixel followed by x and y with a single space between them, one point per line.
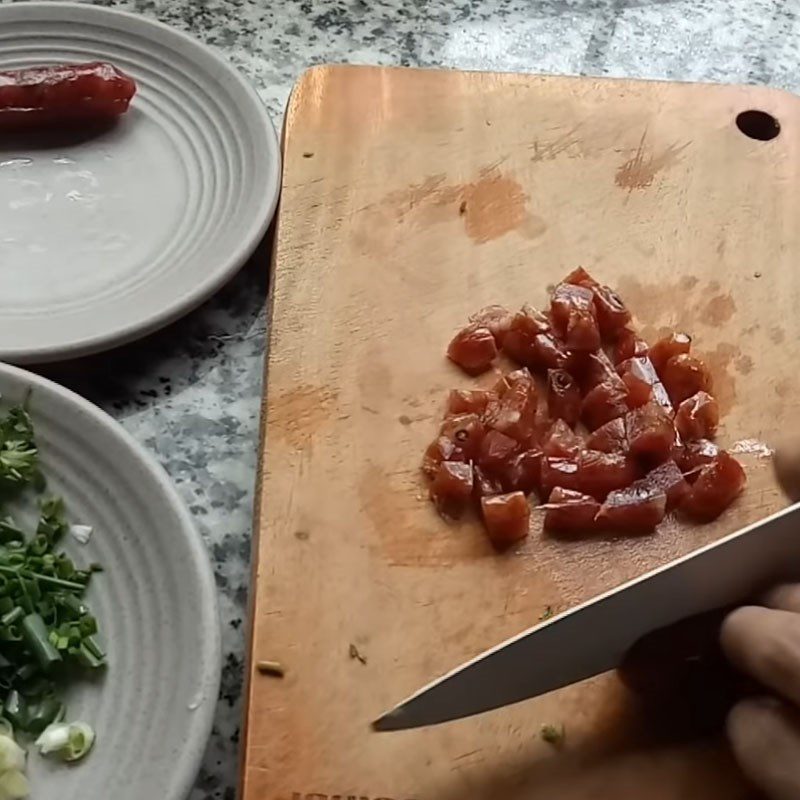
pixel 192 393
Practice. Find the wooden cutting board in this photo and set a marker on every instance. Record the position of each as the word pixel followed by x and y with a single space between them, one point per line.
pixel 411 199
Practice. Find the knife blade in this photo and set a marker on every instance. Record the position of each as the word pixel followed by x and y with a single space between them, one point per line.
pixel 593 637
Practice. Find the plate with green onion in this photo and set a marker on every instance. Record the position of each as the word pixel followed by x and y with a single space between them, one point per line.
pixel 109 630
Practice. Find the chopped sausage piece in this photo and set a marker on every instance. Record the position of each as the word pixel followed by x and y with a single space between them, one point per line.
pixel 442 449
pixel 628 345
pixel 568 511
pixel 549 352
pixel 484 485
pixel 507 518
pixel 465 432
pixel 563 396
pixel 697 417
pixel 523 473
pixel 473 349
pixel 650 432
pixel 496 451
pixel 468 401
pixel 580 277
pixel 717 485
pixel 558 471
pixel 649 413
pixel 496 318
pixel 637 509
pixel 601 473
pixel 574 318
pixel 612 315
pixel 609 438
pixel 514 413
pixel 696 454
pixel 561 441
pixel 451 489
pixel 518 340
pixel 605 402
pixel 676 344
pixel 520 376
pixel 668 478
pixel 642 383
pixel 597 368
pixel 684 376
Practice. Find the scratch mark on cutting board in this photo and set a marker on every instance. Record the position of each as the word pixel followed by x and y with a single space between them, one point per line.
pixel 547 151
pixel 640 171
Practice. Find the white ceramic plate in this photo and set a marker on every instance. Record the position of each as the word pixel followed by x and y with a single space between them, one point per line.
pixel 155 602
pixel 107 239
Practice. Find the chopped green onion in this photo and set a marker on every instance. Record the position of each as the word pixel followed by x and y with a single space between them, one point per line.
pixel 14 785
pixel 70 741
pixel 34 631
pixel 44 714
pixel 15 710
pixel 12 756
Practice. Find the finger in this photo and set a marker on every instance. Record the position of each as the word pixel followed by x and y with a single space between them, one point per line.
pixel 765 737
pixel 785 597
pixel 765 643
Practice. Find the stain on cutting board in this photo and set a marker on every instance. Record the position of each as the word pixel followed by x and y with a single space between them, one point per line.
pixel 489 207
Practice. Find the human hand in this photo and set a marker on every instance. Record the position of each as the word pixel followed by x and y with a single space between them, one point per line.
pixel 764 642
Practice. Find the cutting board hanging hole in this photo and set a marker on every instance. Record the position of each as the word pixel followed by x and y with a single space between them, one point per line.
pixel 758 125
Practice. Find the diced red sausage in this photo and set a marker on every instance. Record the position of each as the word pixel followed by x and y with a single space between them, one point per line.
pixel 668 478
pixel 514 413
pixel 563 396
pixel 465 432
pixel 685 375
pixel 561 441
pixel 663 350
pixel 605 402
pixel 568 511
pixel 628 345
pixel 637 509
pixel 497 319
pixel 574 317
pixel 518 340
pixel 451 489
pixel 601 473
pixel 695 455
pixel 507 518
pixel 609 438
pixel 484 485
pixel 717 485
pixel 473 349
pixel 523 473
pixel 650 432
pixel 697 417
pixel 496 451
pixel 468 401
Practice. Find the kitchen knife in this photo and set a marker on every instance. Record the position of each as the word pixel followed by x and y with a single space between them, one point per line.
pixel 594 637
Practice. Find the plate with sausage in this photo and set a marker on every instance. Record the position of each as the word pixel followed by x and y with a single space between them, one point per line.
pixel 138 172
